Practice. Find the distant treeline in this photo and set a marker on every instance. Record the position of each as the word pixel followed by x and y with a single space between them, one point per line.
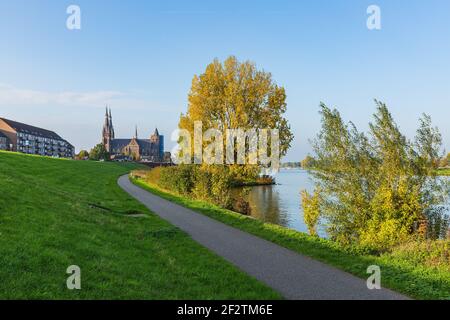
pixel 291 165
pixel 307 163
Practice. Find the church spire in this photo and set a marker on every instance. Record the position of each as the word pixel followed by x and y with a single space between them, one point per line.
pixel 107 134
pixel 106 126
pixel 111 127
pixel 136 133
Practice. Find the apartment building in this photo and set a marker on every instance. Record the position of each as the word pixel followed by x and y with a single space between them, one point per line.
pixel 24 138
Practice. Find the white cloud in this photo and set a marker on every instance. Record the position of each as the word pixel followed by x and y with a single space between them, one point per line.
pixel 12 96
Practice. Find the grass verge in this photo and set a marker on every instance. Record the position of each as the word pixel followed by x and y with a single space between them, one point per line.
pixel 56 213
pixel 414 280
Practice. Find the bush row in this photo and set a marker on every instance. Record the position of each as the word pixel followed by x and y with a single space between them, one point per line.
pixel 208 183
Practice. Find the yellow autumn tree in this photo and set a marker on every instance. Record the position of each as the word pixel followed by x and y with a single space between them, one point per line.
pixel 236 95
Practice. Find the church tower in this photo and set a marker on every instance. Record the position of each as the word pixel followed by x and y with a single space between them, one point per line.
pixel 155 137
pixel 157 141
pixel 108 131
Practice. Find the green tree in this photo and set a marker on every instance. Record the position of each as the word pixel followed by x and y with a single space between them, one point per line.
pixel 82 155
pixel 308 163
pixel 99 153
pixel 376 190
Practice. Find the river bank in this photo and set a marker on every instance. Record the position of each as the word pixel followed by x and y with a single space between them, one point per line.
pixel 400 271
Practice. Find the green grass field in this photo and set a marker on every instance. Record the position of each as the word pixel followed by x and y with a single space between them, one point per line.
pixel 56 213
pixel 403 275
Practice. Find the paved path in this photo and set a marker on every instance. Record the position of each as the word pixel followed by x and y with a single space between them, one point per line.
pixel 293 275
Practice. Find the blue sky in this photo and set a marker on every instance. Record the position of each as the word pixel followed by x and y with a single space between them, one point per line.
pixel 140 57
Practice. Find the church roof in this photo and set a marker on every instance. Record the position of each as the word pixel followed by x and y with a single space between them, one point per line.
pixel 144 144
pixel 119 143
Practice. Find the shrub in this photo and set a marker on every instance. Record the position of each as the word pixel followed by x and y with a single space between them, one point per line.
pixel 152 176
pixel 221 184
pixel 242 206
pixel 178 178
pixel 83 155
pixel 376 188
pixel 429 253
pixel 265 180
pixel 99 153
pixel 203 186
pixel 210 183
pixel 311 210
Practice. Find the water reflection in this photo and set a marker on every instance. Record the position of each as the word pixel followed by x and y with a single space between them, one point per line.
pixel 281 204
pixel 268 206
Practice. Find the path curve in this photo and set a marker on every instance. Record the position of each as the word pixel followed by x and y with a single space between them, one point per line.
pixel 293 275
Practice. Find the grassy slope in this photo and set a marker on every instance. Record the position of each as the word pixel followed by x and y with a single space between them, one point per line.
pixel 47 222
pixel 412 280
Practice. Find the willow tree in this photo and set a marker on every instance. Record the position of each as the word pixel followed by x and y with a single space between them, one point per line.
pixel 235 95
pixel 378 189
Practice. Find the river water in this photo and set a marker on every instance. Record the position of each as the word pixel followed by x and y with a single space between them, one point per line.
pixel 281 203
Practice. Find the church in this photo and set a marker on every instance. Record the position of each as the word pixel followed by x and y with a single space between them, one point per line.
pixel 150 150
